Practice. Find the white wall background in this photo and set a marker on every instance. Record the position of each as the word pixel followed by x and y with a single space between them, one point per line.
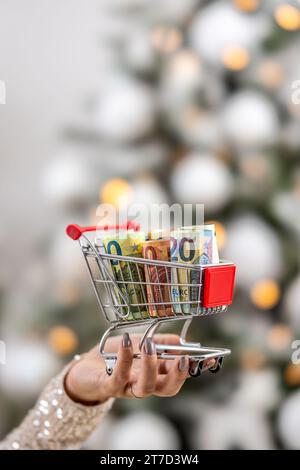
pixel 49 60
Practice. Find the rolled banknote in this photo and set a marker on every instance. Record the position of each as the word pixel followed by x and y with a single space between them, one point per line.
pixel 192 245
pixel 180 253
pixel 205 240
pixel 210 252
pixel 159 233
pixel 128 274
pixel 158 277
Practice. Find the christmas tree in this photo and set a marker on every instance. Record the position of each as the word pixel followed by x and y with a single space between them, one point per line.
pixel 196 104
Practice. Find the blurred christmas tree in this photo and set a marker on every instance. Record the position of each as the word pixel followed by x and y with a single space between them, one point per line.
pixel 195 105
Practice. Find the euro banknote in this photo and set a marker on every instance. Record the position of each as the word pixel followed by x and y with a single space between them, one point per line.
pixel 158 277
pixel 194 245
pixel 129 274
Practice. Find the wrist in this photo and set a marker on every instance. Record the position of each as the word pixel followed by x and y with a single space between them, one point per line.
pixel 81 386
pixel 73 393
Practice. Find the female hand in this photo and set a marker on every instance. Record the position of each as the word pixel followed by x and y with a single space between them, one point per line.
pixel 87 381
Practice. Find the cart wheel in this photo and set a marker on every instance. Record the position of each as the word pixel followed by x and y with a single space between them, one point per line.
pixel 196 368
pixel 218 367
pixel 110 363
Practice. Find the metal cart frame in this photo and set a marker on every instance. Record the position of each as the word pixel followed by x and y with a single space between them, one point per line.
pixel 213 289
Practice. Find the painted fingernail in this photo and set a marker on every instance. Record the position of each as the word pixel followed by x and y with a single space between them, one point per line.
pixel 126 340
pixel 183 363
pixel 149 347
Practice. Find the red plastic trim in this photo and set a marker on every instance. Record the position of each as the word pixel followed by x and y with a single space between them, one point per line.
pixel 218 285
pixel 75 231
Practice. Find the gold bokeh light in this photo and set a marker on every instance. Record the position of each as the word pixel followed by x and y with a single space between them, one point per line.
pixel 247 5
pixel 62 340
pixel 265 294
pixel 287 17
pixel 166 39
pixel 116 192
pixel 235 58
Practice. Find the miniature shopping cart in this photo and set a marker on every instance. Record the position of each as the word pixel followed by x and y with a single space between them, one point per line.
pixel 125 301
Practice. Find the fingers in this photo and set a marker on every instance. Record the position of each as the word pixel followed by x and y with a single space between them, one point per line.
pixel 166 339
pixel 112 343
pixel 158 338
pixel 170 384
pixel 146 382
pixel 121 373
pixel 164 366
pixel 175 373
pixel 209 364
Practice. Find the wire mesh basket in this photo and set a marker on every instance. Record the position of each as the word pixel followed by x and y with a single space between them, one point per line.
pixel 133 291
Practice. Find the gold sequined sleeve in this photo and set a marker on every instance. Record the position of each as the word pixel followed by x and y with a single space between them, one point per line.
pixel 56 422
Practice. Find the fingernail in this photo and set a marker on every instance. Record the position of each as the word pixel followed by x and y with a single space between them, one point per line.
pixel 183 363
pixel 126 340
pixel 149 347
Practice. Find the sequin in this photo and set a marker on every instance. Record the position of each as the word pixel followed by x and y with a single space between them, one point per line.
pixel 44 403
pixel 56 422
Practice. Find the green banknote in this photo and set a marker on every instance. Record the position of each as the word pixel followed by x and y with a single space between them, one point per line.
pixel 128 273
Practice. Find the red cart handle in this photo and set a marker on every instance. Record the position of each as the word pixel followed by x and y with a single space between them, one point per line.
pixel 75 231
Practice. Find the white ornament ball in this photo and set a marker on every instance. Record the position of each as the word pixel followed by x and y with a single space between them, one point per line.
pixel 250 120
pixel 67 180
pixel 202 179
pixel 100 437
pixel 126 110
pixel 148 191
pixel 289 422
pixel 228 427
pixel 254 247
pixel 147 198
pixel 258 390
pixel 219 26
pixel 292 304
pixel 144 430
pixel 29 366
